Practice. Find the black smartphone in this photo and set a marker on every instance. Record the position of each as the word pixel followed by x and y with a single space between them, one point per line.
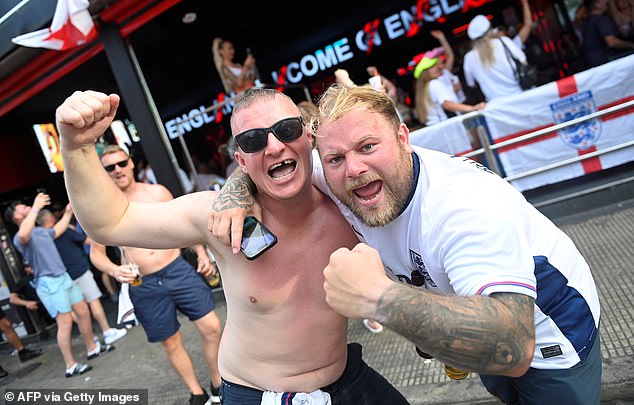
pixel 256 238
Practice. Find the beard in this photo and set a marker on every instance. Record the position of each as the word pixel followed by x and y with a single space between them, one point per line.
pixel 395 187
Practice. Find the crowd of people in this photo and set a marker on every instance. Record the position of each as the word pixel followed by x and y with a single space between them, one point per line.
pixel 488 69
pixel 60 295
pixel 606 31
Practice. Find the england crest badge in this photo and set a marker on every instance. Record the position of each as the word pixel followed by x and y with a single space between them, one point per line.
pixel 581 136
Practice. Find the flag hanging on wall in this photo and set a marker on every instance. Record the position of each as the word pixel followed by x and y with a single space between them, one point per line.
pixel 72 26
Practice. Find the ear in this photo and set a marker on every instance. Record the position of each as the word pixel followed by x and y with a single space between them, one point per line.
pixel 240 161
pixel 403 137
pixel 311 138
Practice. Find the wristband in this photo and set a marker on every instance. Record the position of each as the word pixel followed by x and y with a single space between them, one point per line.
pixel 35 210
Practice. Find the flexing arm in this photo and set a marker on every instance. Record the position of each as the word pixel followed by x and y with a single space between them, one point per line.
pixel 81 119
pixel 103 210
pixel 485 334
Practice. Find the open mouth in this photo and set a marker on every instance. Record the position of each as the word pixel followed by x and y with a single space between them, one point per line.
pixel 282 169
pixel 370 191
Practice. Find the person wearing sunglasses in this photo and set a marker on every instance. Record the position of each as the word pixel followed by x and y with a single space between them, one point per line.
pixel 501 290
pixel 110 168
pixel 281 341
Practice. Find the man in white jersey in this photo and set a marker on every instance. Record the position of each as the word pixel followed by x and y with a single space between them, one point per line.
pixel 502 291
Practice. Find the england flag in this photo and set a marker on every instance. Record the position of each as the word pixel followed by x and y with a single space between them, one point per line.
pixel 72 26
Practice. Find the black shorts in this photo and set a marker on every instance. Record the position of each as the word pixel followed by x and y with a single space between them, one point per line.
pixel 359 384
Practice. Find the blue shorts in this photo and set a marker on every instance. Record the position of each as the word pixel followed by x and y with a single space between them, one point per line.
pixel 176 286
pixel 577 385
pixel 58 294
pixel 359 384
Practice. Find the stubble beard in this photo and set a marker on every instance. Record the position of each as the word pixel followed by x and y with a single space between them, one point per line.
pixel 396 191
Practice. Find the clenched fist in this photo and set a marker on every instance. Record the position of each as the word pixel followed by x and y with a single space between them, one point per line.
pixel 85 116
pixel 355 281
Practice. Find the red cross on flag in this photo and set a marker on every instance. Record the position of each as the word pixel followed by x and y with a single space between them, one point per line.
pixel 72 26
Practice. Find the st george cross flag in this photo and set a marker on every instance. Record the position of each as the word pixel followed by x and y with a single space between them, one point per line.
pixel 586 92
pixel 72 26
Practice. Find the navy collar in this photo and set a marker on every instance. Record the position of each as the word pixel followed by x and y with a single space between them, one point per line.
pixel 416 170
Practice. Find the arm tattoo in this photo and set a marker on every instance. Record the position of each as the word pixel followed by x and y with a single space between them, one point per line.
pixel 239 192
pixel 485 334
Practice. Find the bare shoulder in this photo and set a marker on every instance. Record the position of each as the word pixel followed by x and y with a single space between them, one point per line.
pixel 334 221
pixel 156 192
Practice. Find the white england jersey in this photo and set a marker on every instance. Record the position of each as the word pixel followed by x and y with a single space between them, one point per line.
pixel 466 231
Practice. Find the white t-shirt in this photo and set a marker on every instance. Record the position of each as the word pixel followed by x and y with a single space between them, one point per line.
pixel 450 80
pixel 466 231
pixel 497 80
pixel 439 93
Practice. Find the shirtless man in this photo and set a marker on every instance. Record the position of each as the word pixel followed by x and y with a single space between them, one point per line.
pixel 280 336
pixel 169 283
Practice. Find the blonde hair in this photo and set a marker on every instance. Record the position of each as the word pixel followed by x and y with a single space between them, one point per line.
pixel 422 96
pixel 110 149
pixel 308 109
pixel 484 47
pixel 338 100
pixel 218 62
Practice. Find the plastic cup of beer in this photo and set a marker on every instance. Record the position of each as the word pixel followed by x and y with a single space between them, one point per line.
pixel 134 268
pixel 375 82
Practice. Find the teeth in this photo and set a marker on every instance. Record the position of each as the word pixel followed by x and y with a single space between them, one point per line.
pixel 285 162
pixel 372 197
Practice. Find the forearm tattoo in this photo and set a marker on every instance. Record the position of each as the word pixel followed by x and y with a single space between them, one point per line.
pixel 484 334
pixel 237 192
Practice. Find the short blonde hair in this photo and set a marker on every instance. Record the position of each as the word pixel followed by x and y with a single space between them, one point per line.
pixel 338 100
pixel 110 149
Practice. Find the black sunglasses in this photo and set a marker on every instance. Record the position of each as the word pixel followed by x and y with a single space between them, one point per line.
pixel 122 163
pixel 286 130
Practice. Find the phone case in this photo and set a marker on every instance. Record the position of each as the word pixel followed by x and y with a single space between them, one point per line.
pixel 256 238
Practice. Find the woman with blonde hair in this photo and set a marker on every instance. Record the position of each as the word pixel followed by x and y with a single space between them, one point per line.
pixel 489 63
pixel 433 96
pixel 235 77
